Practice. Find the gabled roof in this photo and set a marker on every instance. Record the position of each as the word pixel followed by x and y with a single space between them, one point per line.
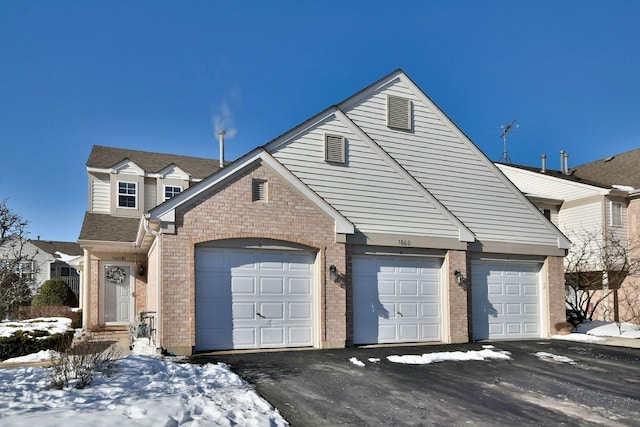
pixel 51 247
pixel 106 157
pixel 620 169
pixel 107 228
pixel 166 211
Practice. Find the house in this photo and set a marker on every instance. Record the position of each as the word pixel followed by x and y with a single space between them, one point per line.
pixel 598 198
pixel 375 221
pixel 42 260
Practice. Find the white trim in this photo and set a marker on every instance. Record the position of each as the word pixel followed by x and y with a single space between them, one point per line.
pixel 135 195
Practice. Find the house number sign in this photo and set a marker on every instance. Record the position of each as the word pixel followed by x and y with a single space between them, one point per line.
pixel 404 242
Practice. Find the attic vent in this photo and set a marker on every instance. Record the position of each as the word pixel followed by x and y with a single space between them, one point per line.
pixel 398 112
pixel 334 149
pixel 259 190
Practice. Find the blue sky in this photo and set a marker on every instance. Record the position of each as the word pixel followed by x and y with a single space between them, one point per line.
pixel 158 75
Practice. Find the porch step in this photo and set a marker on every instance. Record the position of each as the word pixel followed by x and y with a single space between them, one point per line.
pixel 120 337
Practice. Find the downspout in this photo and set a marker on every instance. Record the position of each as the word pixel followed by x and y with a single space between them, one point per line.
pixel 85 288
pixel 157 235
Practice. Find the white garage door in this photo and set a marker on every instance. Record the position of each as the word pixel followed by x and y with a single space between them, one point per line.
pixel 253 299
pixel 396 299
pixel 506 300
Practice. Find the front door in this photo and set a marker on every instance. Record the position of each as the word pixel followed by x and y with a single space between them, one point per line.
pixel 117 293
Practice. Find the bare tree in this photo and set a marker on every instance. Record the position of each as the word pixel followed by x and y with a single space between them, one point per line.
pixel 597 264
pixel 16 266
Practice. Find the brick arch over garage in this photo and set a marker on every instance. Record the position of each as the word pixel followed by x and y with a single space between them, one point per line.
pixel 230 213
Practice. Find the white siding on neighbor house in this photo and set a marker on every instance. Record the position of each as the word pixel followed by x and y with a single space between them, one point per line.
pixel 536 184
pixel 578 218
pixel 453 170
pixel 366 189
pixel 100 194
pixel 150 194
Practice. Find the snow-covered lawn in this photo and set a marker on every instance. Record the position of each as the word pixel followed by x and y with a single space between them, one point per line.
pixel 143 391
pixel 54 325
pixel 596 332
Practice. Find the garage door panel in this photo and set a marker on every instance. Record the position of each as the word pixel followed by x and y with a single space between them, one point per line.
pixel 299 286
pixel 272 285
pixel 409 332
pixel 391 296
pixel 243 338
pixel 239 284
pixel 299 311
pixel 243 285
pixel 244 311
pixel 299 336
pixel 272 337
pixel 408 288
pixel 408 310
pixel 505 300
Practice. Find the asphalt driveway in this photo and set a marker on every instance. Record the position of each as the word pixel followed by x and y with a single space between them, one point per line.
pixel 322 387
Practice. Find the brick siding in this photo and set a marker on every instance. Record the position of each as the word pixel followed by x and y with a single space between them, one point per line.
pixel 230 213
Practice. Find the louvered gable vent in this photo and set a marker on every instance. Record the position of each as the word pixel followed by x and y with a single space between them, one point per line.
pixel 259 190
pixel 398 112
pixel 334 148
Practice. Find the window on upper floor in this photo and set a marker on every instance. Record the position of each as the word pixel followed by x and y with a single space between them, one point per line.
pixel 615 214
pixel 127 194
pixel 398 112
pixel 25 269
pixel 334 149
pixel 170 191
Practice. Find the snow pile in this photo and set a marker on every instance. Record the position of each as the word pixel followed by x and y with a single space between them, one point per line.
pixel 579 337
pixel 549 356
pixel 450 355
pixel 41 356
pixel 357 362
pixel 609 329
pixel 53 325
pixel 144 391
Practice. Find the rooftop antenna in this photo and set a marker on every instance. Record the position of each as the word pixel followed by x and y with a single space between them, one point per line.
pixel 505 130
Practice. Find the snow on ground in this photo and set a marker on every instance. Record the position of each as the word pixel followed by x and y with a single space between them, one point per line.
pixel 144 391
pixel 52 324
pixel 596 331
pixel 609 329
pixel 357 362
pixel 549 356
pixel 450 355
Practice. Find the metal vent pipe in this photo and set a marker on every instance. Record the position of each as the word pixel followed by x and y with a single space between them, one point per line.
pixel 221 136
pixel 544 163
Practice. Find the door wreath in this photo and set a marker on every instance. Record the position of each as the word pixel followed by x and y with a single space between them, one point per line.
pixel 116 275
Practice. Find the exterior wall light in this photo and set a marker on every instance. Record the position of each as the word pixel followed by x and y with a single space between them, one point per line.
pixel 459 277
pixel 333 272
pixel 141 269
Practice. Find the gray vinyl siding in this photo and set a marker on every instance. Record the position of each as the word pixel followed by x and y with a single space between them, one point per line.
pixel 100 193
pixel 366 189
pixel 150 194
pixel 453 171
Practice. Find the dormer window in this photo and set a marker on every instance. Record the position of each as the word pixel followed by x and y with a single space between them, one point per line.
pixel 398 112
pixel 127 194
pixel 171 190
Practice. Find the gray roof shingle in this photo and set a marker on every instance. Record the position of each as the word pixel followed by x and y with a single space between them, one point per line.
pixel 621 169
pixel 107 228
pixel 51 247
pixel 106 157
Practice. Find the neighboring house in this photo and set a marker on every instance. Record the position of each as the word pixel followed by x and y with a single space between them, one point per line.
pixel 44 260
pixel 599 197
pixel 375 221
